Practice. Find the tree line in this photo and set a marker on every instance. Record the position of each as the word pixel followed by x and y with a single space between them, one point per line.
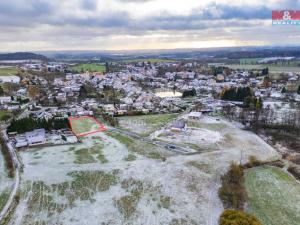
pixel 236 94
pixel 29 124
pixel 233 195
pixel 189 93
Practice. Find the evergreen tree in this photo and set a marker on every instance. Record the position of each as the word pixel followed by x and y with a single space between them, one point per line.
pixel 1 91
pixel 283 90
pixel 298 91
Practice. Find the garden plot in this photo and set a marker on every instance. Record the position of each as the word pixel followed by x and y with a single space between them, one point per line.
pixel 85 125
pixel 5 182
pixel 145 125
pixel 113 179
pixel 273 195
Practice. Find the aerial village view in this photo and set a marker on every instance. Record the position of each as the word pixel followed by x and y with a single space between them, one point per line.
pixel 184 135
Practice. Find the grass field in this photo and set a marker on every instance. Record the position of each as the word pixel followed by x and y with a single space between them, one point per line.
pixel 8 71
pixel 152 60
pixel 147 124
pixel 3 115
pixel 272 69
pixel 5 181
pixel 273 195
pixel 84 125
pixel 88 67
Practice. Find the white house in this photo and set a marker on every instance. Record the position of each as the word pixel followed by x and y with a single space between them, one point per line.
pixel 178 126
pixel 5 99
pixel 195 115
pixel 36 137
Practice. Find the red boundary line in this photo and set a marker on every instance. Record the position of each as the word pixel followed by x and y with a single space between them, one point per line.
pixel 101 126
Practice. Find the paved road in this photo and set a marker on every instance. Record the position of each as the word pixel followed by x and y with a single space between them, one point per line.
pixel 174 148
pixel 17 167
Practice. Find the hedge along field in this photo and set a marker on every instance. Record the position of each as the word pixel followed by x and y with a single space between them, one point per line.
pixel 273 196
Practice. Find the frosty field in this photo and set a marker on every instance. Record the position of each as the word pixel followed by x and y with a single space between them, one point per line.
pixel 115 179
pixel 213 134
pixel 274 196
pixel 147 124
pixel 5 182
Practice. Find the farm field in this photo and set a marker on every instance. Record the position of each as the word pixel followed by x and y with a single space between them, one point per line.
pixel 85 125
pixel 146 124
pixel 152 60
pixel 272 68
pixel 110 178
pixel 273 196
pixel 248 61
pixel 88 67
pixel 5 71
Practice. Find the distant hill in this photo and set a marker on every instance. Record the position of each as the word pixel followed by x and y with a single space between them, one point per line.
pixel 22 56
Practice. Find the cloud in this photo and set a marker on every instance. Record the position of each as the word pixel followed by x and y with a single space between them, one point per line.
pixel 30 8
pixel 89 5
pixel 136 1
pixel 93 22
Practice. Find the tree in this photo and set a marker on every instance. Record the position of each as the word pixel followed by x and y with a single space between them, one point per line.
pixel 265 71
pixel 283 90
pixel 232 192
pixel 189 93
pixel 235 217
pixel 1 91
pixel 33 91
pixel 298 90
pixel 107 67
pixel 236 94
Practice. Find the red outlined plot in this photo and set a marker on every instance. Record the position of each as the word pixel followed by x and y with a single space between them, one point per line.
pixel 85 125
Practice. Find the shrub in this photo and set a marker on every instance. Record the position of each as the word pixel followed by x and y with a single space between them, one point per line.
pixel 235 217
pixel 253 162
pixel 232 192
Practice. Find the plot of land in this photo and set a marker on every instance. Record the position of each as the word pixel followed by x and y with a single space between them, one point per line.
pixel 211 134
pixel 5 71
pixel 85 125
pixel 88 67
pixel 110 178
pixel 274 196
pixel 145 125
pixel 152 60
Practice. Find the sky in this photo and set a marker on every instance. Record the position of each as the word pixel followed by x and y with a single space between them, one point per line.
pixel 40 25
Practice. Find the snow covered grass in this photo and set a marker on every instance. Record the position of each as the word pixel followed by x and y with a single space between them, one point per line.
pixel 146 124
pixel 139 147
pixel 139 183
pixel 273 195
pixel 5 182
pixel 4 197
pixel 90 155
